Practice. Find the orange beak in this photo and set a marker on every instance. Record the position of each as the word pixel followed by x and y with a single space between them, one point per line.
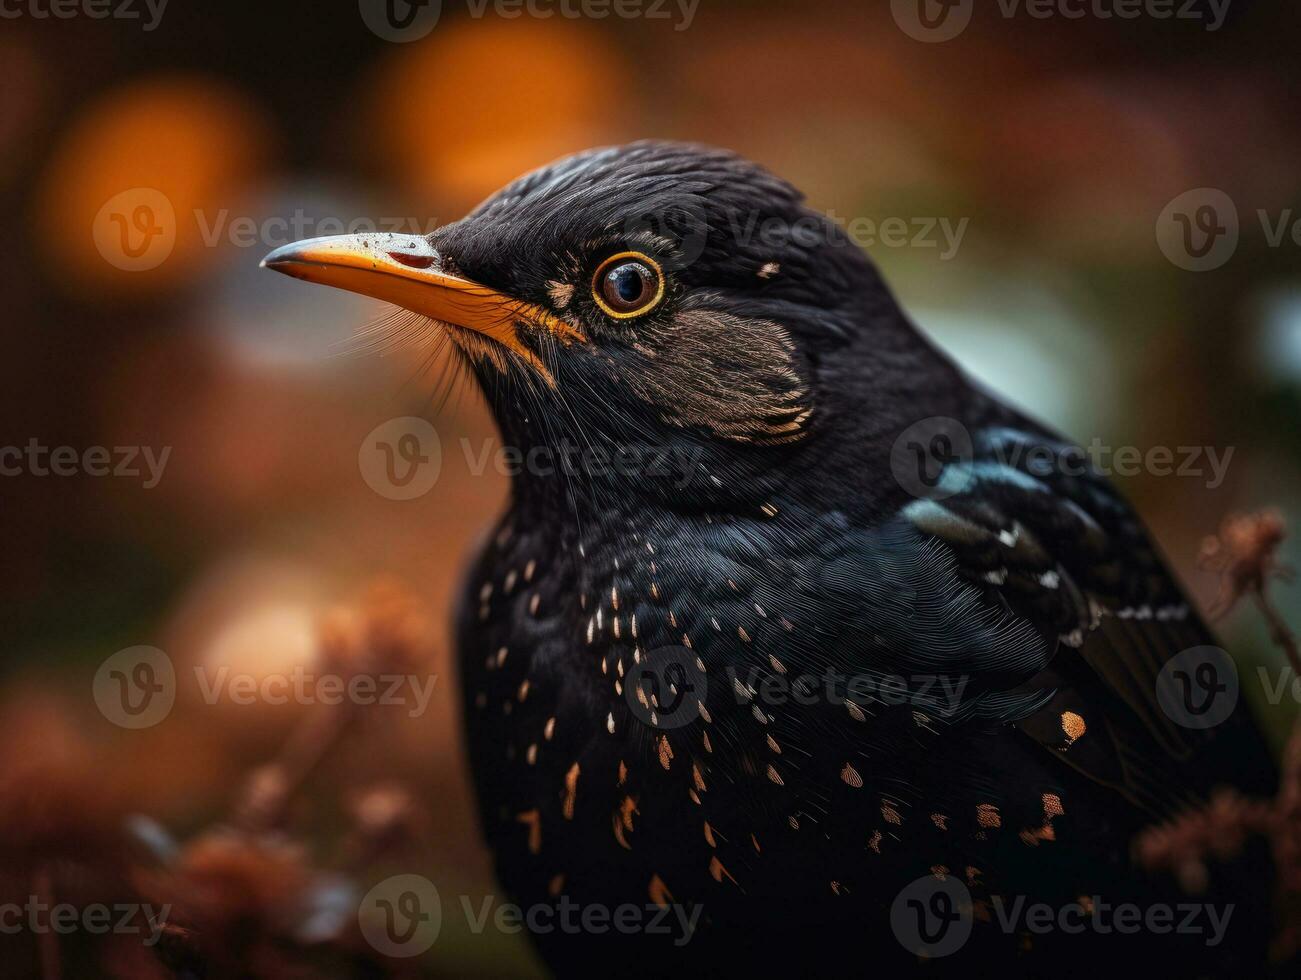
pixel 406 270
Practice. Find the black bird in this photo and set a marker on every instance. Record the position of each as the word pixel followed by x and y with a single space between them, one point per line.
pixel 790 630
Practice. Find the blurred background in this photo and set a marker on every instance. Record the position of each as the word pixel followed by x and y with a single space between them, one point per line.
pixel 1056 145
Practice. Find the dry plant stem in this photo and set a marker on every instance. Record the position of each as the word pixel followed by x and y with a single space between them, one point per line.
pixel 1288 805
pixel 48 939
pixel 359 851
pixel 1278 630
pixel 310 742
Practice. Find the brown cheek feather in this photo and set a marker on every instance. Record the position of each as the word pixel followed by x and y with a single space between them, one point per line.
pixel 734 376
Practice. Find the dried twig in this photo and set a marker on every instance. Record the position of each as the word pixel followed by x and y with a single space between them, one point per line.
pixel 1244 554
pixel 244 894
pixel 387 633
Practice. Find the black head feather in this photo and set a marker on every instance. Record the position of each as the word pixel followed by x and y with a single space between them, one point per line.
pixel 775 332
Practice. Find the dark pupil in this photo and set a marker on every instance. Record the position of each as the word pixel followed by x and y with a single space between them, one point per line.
pixel 629 283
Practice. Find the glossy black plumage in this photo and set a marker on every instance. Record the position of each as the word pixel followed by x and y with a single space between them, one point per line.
pixel 1027 612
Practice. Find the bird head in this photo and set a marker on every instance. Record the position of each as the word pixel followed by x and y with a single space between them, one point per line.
pixel 648 296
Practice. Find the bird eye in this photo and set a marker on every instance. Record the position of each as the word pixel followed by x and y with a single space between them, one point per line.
pixel 628 285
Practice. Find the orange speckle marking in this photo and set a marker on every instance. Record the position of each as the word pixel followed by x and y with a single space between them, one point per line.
pixel 666 751
pixel 623 821
pixel 533 821
pixel 1074 727
pixel 571 791
pixel 659 892
pixel 987 815
pixel 718 872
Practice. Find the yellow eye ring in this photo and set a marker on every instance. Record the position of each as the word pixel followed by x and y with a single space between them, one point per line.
pixel 628 285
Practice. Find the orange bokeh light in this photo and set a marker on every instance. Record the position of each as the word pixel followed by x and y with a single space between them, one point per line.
pixel 133 170
pixel 481 102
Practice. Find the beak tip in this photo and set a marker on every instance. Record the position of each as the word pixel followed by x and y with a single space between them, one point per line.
pixel 277 257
